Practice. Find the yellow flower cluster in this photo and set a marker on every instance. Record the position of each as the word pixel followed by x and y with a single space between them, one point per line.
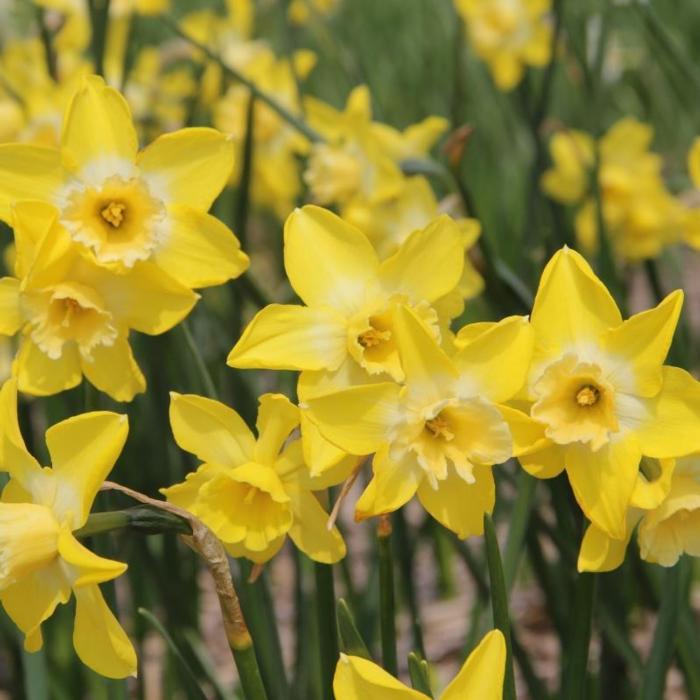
pixel 108 239
pixel 640 215
pixel 509 35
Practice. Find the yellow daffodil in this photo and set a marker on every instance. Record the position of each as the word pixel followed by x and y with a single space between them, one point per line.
pixel 350 296
pixel 41 562
pixel 600 391
pixel 251 492
pixel 439 434
pixel 666 507
pixel 353 162
pixel 480 678
pixel 640 214
pixel 692 221
pixel 74 316
pixel 276 174
pixel 509 35
pixel 124 206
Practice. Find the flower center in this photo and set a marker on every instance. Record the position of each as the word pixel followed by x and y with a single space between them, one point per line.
pixel 439 427
pixel 576 403
pixel 113 213
pixel 28 540
pixel 373 337
pixel 588 395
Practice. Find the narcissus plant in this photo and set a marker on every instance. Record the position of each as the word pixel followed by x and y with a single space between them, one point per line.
pixel 42 564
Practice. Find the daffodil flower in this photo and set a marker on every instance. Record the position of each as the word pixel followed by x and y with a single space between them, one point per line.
pixel 126 206
pixel 438 435
pixel 480 678
pixel 600 391
pixel 665 508
pixel 74 316
pixel 41 562
pixel 251 492
pixel 509 35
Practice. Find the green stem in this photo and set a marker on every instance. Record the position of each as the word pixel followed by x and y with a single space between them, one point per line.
pixel 49 53
pixel 249 673
pixel 271 102
pixel 327 626
pixel 499 601
pixel 146 520
pixel 520 517
pixel 99 17
pixel 574 677
pixel 386 597
pixel 654 677
pixel 349 636
pixel 202 369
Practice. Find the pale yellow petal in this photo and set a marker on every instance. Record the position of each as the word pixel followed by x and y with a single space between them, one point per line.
pixel 85 567
pixel 10 314
pixel 200 251
pixel 277 418
pixel 213 432
pixel 97 125
pixel 359 679
pixel 114 370
pixel 483 672
pixel 38 374
pixel 292 337
pixel 83 451
pixel 190 166
pixel 328 262
pixel 99 639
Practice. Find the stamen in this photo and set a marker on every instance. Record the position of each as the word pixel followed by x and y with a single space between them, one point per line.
pixel 588 395
pixel 372 337
pixel 113 214
pixel 439 428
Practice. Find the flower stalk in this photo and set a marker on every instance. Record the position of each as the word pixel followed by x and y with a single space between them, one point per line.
pixel 386 596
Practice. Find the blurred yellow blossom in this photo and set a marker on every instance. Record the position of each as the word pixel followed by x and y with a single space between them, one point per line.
pixel 302 11
pixel 509 35
pixel 41 562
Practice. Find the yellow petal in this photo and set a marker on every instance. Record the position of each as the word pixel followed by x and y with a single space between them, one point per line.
pixel 33 599
pixel 14 456
pixel 277 417
pixel 572 305
pixel 669 426
pixel 603 481
pixel 393 485
pixel 356 419
pixel 98 638
pixel 309 532
pixel 495 364
pixel 328 262
pixel 430 374
pixel 200 251
pixel 653 483
pixel 98 125
pixel 210 430
pixel 10 316
pixel 32 221
pixel 438 246
pixel 319 454
pixel 147 299
pixel 237 550
pixel 283 336
pixel 39 375
pixel 640 344
pixel 27 172
pixel 544 463
pixel 600 552
pixel 191 166
pixel 186 493
pixel 86 567
pixel 83 451
pixel 482 674
pixel 528 434
pixel 113 370
pixel 359 679
pixel 446 503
